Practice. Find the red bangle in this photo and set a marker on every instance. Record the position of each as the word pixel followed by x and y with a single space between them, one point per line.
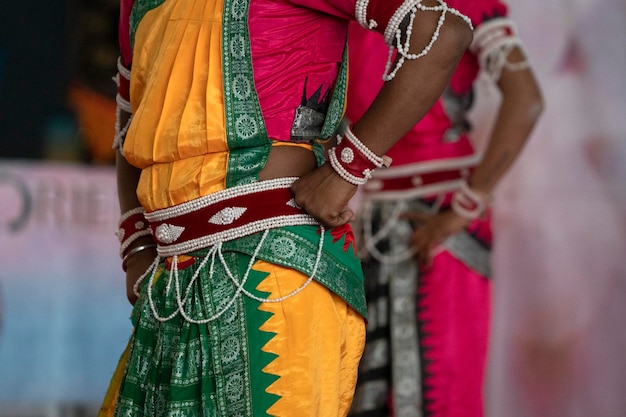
pixel 132 225
pixel 353 161
pixel 469 203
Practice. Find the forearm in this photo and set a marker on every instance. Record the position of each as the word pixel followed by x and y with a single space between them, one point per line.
pixel 140 251
pixel 519 111
pixel 127 180
pixel 127 175
pixel 507 140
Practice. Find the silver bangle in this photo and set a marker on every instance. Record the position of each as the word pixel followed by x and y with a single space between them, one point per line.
pixel 135 251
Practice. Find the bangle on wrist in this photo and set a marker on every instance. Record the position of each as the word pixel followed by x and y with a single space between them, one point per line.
pixel 469 203
pixel 132 225
pixel 135 251
pixel 353 161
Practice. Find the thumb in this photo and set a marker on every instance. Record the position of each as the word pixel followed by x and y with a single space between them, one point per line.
pixel 345 216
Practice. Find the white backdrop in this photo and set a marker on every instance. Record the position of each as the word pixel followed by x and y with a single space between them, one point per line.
pixel 558 346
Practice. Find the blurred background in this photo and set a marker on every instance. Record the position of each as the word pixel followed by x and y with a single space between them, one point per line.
pixel 558 343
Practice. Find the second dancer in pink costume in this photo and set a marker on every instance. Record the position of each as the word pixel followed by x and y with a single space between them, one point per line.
pixel 426 228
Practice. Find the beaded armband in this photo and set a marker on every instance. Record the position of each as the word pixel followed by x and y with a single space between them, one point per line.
pixel 469 203
pixel 374 15
pixel 353 161
pixel 493 41
pixel 122 79
pixel 132 226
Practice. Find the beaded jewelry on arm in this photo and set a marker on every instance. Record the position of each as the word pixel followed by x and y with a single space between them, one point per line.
pixel 469 203
pixel 493 41
pixel 132 226
pixel 135 251
pixel 393 32
pixel 353 161
pixel 122 77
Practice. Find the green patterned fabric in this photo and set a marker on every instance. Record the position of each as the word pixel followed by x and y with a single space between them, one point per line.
pixel 249 149
pixel 245 128
pixel 182 369
pixel 336 108
pixel 247 137
pixel 178 368
pixel 339 268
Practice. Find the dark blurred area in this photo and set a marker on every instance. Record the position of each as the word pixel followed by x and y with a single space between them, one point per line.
pixel 56 92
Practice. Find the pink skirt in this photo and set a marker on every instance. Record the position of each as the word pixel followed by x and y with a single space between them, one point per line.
pixel 427 332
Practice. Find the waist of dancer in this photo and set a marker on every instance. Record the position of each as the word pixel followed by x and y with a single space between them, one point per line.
pixel 420 179
pixel 226 215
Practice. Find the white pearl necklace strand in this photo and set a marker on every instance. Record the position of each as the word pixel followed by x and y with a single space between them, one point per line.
pixel 215 251
pixel 393 31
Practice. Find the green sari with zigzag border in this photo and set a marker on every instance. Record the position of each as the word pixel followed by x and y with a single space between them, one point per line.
pixel 182 369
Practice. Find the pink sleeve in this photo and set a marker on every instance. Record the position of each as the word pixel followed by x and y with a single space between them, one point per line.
pixel 368 54
pixel 381 11
pixel 478 11
pixel 340 8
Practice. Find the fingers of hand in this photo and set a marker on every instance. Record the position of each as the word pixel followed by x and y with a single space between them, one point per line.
pixel 325 196
pixel 423 243
pixel 346 216
pixel 424 255
pixel 332 218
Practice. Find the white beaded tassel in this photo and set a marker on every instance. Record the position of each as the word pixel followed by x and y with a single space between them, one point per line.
pixel 393 31
pixel 361 15
pixel 120 132
pixel 213 253
pixel 371 239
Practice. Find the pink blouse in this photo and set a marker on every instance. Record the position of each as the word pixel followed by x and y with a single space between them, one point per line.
pixel 431 138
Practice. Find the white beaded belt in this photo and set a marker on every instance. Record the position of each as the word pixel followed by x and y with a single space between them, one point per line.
pixel 226 215
pixel 420 179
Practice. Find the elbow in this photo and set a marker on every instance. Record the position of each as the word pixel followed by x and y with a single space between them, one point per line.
pixel 522 92
pixel 452 39
pixel 535 107
pixel 457 35
pixel 529 110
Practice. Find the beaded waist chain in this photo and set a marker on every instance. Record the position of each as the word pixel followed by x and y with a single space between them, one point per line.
pixel 419 180
pixel 226 215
